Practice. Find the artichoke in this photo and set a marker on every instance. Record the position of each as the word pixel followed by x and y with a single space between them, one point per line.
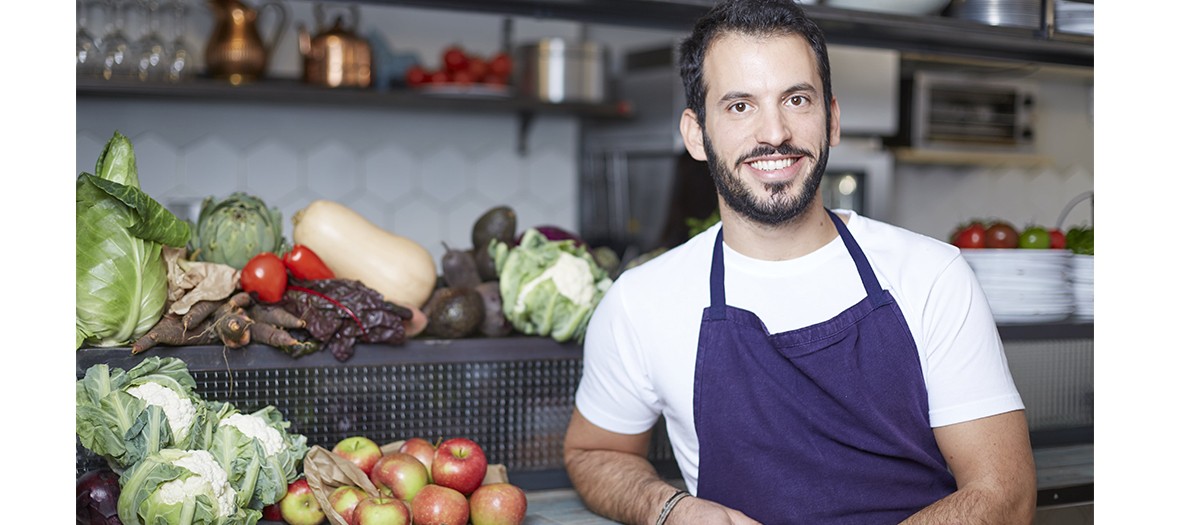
pixel 234 230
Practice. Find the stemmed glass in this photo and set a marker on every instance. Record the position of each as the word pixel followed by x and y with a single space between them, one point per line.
pixel 179 53
pixel 88 55
pixel 117 47
pixel 153 61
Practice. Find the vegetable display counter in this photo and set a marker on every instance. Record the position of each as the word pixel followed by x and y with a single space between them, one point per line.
pixel 513 395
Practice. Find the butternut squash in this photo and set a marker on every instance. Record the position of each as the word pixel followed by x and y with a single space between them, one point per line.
pixel 401 270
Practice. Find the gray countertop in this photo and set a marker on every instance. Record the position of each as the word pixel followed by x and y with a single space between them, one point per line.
pixel 1057 467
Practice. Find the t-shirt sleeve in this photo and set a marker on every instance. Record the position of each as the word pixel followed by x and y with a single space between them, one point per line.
pixel 616 391
pixel 967 371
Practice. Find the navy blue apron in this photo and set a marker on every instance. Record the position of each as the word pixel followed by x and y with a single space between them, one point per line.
pixel 827 424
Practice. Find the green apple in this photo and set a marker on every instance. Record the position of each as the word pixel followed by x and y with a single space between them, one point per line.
pixel 299 506
pixel 381 510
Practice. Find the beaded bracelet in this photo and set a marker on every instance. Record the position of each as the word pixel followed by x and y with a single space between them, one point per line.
pixel 672 501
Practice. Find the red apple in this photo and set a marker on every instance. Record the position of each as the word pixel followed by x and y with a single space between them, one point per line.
pixel 399 475
pixel 345 498
pixel 460 464
pixel 421 449
pixel 299 506
pixel 439 505
pixel 498 504
pixel 360 450
pixel 380 510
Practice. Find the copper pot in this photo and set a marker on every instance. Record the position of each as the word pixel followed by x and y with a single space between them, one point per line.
pixel 236 50
pixel 337 56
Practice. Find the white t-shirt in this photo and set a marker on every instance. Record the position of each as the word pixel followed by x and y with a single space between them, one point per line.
pixel 640 347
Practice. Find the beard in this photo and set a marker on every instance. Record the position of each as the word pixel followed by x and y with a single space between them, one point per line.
pixel 781 206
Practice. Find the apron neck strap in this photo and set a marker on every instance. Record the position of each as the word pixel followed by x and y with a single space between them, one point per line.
pixel 717 273
pixel 867 277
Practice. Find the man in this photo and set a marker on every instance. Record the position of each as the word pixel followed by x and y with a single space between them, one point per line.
pixel 811 367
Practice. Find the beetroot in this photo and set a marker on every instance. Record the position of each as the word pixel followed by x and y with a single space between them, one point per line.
pixel 555 233
pixel 98 498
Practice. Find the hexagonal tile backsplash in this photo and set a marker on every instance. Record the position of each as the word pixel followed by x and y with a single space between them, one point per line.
pixel 422 175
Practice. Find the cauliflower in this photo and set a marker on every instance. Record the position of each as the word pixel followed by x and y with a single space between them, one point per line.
pixel 180 411
pixel 257 452
pixel 125 415
pixel 549 288
pixel 209 477
pixel 569 274
pixel 257 428
pixel 180 487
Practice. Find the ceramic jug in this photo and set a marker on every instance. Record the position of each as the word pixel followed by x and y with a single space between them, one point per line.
pixel 236 50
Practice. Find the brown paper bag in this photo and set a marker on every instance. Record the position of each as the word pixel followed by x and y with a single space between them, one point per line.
pixel 326 471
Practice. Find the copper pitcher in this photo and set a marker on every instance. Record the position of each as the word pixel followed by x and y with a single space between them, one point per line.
pixel 236 51
pixel 336 56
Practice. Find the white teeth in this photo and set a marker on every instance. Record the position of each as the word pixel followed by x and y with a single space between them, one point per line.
pixel 771 165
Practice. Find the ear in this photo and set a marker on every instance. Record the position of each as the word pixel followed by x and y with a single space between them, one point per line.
pixel 690 131
pixel 834 133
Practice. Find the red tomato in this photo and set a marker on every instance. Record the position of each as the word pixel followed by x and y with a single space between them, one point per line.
pixel 305 264
pixel 265 277
pixel 455 59
pixel 1056 239
pixel 500 65
pixel 439 77
pixel 970 237
pixel 478 67
pixel 1001 235
pixel 416 75
pixel 462 77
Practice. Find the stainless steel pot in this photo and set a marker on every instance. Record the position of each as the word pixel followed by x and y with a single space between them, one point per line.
pixel 558 70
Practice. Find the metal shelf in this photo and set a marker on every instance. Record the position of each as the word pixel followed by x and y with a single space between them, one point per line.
pixel 415 351
pixel 291 91
pixel 930 34
pixel 441 351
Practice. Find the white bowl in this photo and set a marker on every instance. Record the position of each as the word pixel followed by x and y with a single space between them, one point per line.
pixel 905 7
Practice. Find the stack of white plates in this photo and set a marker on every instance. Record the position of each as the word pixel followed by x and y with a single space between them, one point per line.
pixel 1074 17
pixel 1016 13
pixel 1024 286
pixel 1081 275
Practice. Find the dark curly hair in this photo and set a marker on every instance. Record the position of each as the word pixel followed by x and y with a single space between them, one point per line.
pixel 749 17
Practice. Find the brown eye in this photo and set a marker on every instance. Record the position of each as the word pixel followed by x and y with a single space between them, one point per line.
pixel 797 100
pixel 740 107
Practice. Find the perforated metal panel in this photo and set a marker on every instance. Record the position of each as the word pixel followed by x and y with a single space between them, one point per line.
pixel 1055 378
pixel 513 397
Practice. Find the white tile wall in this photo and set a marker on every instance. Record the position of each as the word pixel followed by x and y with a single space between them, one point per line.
pixel 425 176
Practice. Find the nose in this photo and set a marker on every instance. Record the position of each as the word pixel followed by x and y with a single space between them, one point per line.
pixel 773 127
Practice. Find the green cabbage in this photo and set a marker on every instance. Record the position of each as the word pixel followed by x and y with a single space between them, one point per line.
pixel 232 231
pixel 117 425
pixel 180 487
pixel 549 288
pixel 260 461
pixel 121 278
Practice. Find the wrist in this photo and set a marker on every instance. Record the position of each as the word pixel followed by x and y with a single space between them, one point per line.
pixel 669 505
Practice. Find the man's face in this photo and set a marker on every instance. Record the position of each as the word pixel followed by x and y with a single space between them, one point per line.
pixel 765 137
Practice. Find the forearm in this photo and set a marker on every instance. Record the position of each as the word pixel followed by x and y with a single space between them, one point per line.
pixel 618 485
pixel 978 506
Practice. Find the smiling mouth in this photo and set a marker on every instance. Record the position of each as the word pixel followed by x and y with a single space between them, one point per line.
pixel 772 164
